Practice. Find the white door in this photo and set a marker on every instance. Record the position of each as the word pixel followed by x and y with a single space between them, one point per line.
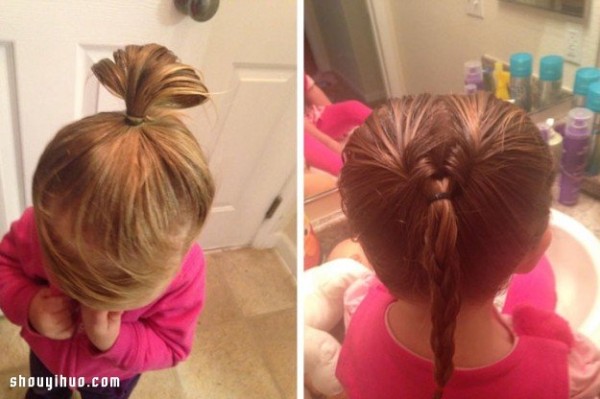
pixel 247 54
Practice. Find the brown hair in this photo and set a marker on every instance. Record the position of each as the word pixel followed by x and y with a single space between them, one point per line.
pixel 132 189
pixel 446 194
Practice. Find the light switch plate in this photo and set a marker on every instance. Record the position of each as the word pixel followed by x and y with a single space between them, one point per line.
pixel 573 45
pixel 475 8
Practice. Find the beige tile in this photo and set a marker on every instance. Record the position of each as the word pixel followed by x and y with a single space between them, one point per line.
pixel 220 305
pixel 225 364
pixel 259 281
pixel 6 392
pixel 15 352
pixel 163 384
pixel 275 335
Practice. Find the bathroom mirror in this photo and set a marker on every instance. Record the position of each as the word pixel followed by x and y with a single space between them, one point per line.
pixel 575 8
pixel 368 50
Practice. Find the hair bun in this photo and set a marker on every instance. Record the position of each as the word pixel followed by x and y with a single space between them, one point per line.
pixel 149 78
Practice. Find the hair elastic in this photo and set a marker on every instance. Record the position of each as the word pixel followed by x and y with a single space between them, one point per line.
pixel 134 120
pixel 440 196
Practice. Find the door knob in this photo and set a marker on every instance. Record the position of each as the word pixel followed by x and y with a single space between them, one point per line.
pixel 199 10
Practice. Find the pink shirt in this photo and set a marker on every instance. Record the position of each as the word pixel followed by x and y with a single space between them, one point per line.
pixel 156 336
pixel 547 361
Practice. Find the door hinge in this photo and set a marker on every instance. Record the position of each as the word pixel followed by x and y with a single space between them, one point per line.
pixel 274 205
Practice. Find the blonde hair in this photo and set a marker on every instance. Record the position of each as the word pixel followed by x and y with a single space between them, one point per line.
pixel 446 194
pixel 132 188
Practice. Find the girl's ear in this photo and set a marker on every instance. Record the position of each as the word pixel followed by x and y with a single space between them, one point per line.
pixel 532 258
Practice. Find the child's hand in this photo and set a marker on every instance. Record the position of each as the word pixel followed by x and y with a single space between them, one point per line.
pixel 101 326
pixel 51 314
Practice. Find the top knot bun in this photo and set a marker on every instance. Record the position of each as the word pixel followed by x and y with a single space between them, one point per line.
pixel 150 78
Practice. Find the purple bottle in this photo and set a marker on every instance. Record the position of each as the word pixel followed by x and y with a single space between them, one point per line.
pixel 474 74
pixel 576 145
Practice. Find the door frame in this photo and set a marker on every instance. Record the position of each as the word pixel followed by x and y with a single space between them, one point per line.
pixel 12 193
pixel 382 23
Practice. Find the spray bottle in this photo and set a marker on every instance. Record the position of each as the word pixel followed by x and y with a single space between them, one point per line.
pixel 551 71
pixel 575 153
pixel 583 78
pixel 520 79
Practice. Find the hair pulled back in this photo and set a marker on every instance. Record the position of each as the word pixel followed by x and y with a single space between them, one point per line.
pixel 133 187
pixel 446 194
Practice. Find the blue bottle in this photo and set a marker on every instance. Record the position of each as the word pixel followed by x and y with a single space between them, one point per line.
pixel 520 79
pixel 583 78
pixel 551 72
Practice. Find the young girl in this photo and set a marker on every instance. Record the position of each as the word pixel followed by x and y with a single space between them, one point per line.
pixel 103 273
pixel 326 127
pixel 449 196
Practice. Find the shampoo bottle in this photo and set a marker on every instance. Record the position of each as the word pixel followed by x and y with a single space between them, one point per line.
pixel 593 104
pixel 583 78
pixel 551 71
pixel 575 153
pixel 520 79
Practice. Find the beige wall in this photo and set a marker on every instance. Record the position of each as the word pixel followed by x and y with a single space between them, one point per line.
pixel 437 36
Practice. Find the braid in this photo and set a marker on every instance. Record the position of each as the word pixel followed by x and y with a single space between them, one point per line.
pixel 441 264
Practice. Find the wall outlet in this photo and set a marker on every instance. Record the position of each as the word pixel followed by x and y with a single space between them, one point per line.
pixel 573 45
pixel 475 8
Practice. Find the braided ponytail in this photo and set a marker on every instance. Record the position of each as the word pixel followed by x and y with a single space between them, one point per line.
pixel 441 263
pixel 446 194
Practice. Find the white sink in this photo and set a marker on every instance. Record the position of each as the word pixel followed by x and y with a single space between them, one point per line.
pixel 575 258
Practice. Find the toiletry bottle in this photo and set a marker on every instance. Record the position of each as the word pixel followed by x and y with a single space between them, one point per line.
pixel 555 142
pixel 470 88
pixel 583 78
pixel 575 153
pixel 593 104
pixel 544 128
pixel 520 79
pixel 502 78
pixel 553 139
pixel 551 71
pixel 474 73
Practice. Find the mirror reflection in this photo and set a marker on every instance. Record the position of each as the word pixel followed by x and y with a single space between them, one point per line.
pixel 368 50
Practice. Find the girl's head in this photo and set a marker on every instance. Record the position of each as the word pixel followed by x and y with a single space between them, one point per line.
pixel 120 196
pixel 447 195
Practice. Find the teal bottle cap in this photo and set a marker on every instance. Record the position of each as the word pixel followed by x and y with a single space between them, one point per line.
pixel 520 65
pixel 583 78
pixel 592 100
pixel 551 67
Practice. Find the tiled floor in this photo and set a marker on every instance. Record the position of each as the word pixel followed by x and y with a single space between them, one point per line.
pixel 245 344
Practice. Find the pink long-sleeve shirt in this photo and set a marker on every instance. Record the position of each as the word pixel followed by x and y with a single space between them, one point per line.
pixel 156 336
pixel 548 359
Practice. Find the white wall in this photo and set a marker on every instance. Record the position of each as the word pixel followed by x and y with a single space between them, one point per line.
pixel 437 36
